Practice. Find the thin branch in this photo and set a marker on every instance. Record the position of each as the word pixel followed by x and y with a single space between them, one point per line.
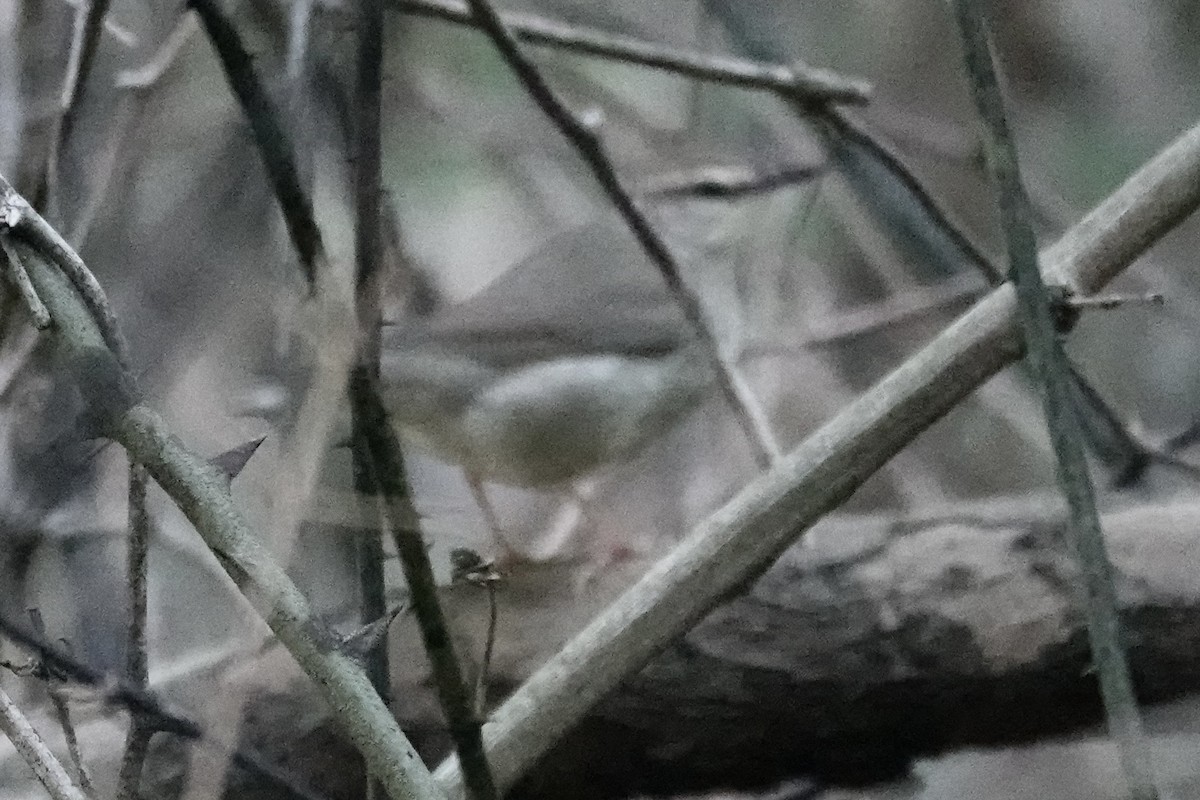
pixel 19 217
pixel 141 729
pixel 797 82
pixel 468 567
pixel 1113 302
pixel 899 308
pixel 856 150
pixel 368 277
pixel 1050 366
pixel 35 752
pixel 402 517
pixel 586 141
pixel 62 711
pixel 270 137
pixel 740 540
pixel 89 23
pixel 20 279
pixel 379 465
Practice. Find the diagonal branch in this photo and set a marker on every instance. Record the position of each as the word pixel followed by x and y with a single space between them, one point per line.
pixel 270 137
pixel 739 541
pixel 796 82
pixel 202 492
pixel 591 149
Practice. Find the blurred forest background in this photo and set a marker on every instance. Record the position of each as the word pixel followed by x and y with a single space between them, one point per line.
pixel 816 282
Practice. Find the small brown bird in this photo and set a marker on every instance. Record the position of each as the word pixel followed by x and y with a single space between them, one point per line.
pixel 575 358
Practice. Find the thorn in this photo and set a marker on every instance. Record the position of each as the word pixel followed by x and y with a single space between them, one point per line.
pixel 364 641
pixel 36 621
pixel 233 461
pixel 1113 301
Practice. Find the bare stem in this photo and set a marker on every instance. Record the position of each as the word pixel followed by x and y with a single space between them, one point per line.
pixel 141 728
pixel 271 138
pixel 1053 373
pixel 35 752
pixel 62 710
pixel 797 81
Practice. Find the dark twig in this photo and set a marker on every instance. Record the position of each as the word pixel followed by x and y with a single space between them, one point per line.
pixel 854 149
pixel 797 82
pixel 379 465
pixel 141 728
pixel 86 38
pixel 453 692
pixel 1044 353
pixel 469 567
pixel 368 277
pixel 927 231
pixel 489 645
pixel 270 137
pixel 591 149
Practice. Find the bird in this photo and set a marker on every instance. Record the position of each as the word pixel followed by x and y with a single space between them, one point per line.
pixel 577 357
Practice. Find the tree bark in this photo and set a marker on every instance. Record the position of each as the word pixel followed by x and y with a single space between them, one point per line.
pixel 874 642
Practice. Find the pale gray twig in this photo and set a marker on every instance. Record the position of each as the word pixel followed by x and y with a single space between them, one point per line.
pixel 141 728
pixel 20 279
pixel 37 755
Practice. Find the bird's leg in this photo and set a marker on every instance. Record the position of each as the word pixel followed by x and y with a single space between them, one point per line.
pixel 562 535
pixel 506 555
